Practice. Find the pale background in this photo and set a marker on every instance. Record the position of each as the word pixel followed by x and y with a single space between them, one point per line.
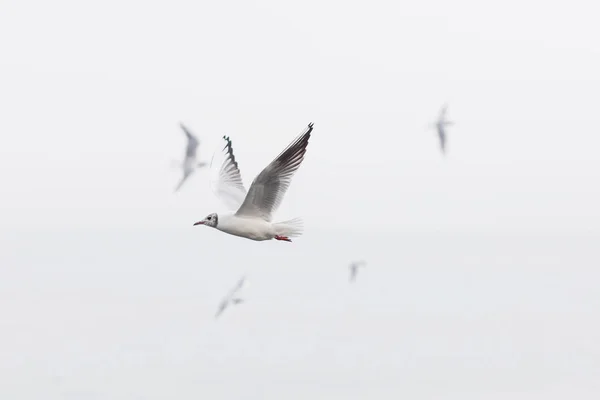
pixel 483 266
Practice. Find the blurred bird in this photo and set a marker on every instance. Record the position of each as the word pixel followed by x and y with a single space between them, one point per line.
pixel 354 269
pixel 256 207
pixel 229 299
pixel 440 125
pixel 189 164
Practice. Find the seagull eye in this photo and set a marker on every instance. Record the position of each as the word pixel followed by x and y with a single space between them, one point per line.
pixel 209 218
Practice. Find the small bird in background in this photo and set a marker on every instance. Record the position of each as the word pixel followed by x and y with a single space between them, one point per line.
pixel 353 267
pixel 189 164
pixel 230 299
pixel 440 125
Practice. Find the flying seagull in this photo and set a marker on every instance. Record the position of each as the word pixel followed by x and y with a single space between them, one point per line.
pixel 255 208
pixel 441 125
pixel 189 164
pixel 229 299
pixel 354 269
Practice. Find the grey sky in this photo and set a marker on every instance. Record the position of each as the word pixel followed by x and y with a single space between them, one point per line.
pixel 481 264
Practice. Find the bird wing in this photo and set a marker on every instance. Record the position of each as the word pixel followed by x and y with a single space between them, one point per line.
pixel 443 112
pixel 237 287
pixel 221 308
pixel 192 144
pixel 269 187
pixel 226 180
pixel 442 135
pixel 186 175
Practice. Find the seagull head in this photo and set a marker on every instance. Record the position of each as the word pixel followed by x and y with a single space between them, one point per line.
pixel 211 220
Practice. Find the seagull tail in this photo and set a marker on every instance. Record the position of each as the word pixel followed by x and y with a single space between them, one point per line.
pixel 290 228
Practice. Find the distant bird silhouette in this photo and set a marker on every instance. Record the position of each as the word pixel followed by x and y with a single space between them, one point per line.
pixel 440 125
pixel 230 299
pixel 353 267
pixel 189 164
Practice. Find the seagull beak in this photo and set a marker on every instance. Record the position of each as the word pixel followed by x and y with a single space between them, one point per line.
pixel 199 223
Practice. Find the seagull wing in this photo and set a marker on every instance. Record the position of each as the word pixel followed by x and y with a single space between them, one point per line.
pixel 226 180
pixel 186 175
pixel 442 115
pixel 237 287
pixel 442 135
pixel 352 273
pixel 269 187
pixel 222 308
pixel 192 144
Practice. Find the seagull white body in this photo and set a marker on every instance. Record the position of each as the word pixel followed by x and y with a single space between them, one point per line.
pixel 440 126
pixel 252 220
pixel 189 164
pixel 251 228
pixel 229 299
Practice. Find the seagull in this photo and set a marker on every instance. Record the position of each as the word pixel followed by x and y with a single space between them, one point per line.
pixel 354 269
pixel 189 164
pixel 252 220
pixel 440 126
pixel 229 299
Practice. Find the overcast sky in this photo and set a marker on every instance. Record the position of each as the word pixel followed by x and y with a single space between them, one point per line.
pixel 91 96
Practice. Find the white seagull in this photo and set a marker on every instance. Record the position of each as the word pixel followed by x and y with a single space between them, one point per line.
pixel 229 299
pixel 440 125
pixel 189 164
pixel 354 269
pixel 252 220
